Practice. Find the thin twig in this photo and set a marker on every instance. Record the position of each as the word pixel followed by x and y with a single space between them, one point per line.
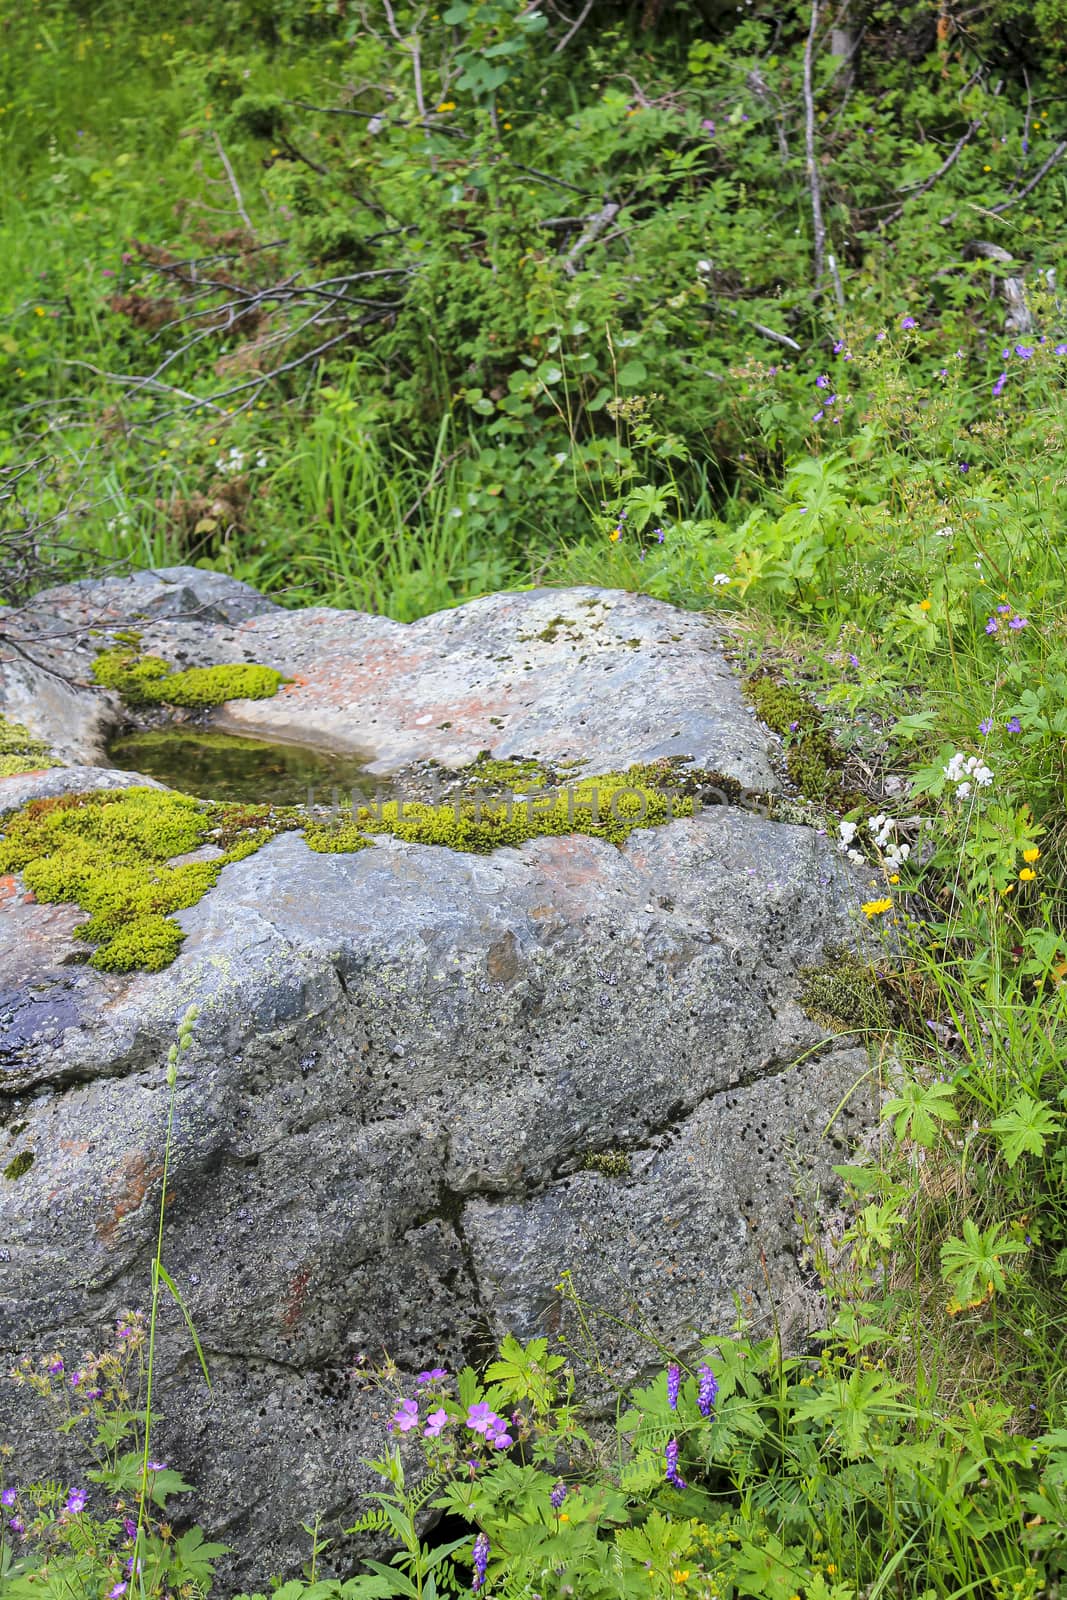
pixel 928 183
pixel 573 29
pixel 818 227
pixel 238 200
pixel 1045 167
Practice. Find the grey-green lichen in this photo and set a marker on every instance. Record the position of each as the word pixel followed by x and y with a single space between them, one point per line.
pixel 149 680
pixel 20 751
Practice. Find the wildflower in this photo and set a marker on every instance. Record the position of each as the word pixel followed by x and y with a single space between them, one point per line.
pixel 793 726
pixel 908 322
pixel 998 387
pixel 56 1366
pixel 672 1474
pixel 17 1525
pixel 8 1497
pixel 1031 855
pixel 75 1379
pixel 435 1422
pixel 822 381
pixel 704 267
pixel 1014 725
pixel 447 105
pixel 76 1501
pixel 1002 611
pixel 964 466
pixel 615 535
pixel 818 416
pixel 875 908
pixel 117 1592
pixel 1024 351
pixel 558 1495
pixel 894 877
pixel 480 1416
pixel 159 1466
pixel 839 346
pixel 848 832
pixel 992 625
pixel 1017 622
pixel 479 1561
pixel 674 1383
pixel 985 726
pixel 1027 875
pixel 660 536
pixel 924 605
pixel 1060 349
pixel 853 659
pixel 432 1375
pixel 708 1389
pixel 719 579
pixel 406 1416
pixel 680 1575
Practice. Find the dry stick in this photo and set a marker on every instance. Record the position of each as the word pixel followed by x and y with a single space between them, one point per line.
pixel 238 201
pixel 821 259
pixel 928 183
pixel 1046 166
pixel 573 29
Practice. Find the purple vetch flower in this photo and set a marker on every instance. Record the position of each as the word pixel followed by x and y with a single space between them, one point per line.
pixel 1024 351
pixel 1014 725
pixel 75 1379
pixel 479 1561
pixel 908 322
pixel 1002 611
pixel 670 1456
pixel 435 1422
pixel 793 726
pixel 992 625
pixel 56 1367
pixel 818 416
pixel 117 1592
pixel 129 1527
pixel 131 1568
pixel 660 535
pixel 985 726
pixel 8 1497
pixel 964 466
pixel 76 1501
pixel 709 1388
pixel 855 660
pixel 558 1495
pixel 998 387
pixel 1017 622
pixel 674 1383
pixel 405 1417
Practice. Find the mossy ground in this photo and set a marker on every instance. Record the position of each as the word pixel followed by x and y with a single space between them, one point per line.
pixel 812 757
pixel 149 680
pixel 844 994
pixel 20 751
pixel 112 852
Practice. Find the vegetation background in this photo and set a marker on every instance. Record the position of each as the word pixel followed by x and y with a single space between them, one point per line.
pixel 751 307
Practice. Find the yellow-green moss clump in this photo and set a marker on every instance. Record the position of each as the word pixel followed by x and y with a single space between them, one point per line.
pixel 812 758
pixel 110 853
pixel 20 751
pixel 149 680
pixel 608 807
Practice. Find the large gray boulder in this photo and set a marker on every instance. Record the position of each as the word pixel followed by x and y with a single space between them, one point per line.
pixel 423 1084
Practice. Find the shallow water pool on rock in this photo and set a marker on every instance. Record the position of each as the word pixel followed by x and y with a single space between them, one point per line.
pixel 224 766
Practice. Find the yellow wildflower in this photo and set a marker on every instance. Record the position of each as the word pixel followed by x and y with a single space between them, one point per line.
pixel 894 877
pixel 1027 875
pixel 447 105
pixel 680 1575
pixel 924 605
pixel 874 908
pixel 615 535
pixel 1032 854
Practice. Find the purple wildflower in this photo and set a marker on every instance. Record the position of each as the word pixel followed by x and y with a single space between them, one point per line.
pixel 161 1466
pixel 558 1495
pixel 822 381
pixel 131 1568
pixel 660 535
pixel 129 1527
pixel 405 1417
pixel 17 1525
pixel 1002 611
pixel 435 1422
pixel 707 125
pixel 908 322
pixel 965 466
pixel 1017 622
pixel 1024 351
pixel 1014 725
pixel 674 1383
pixel 1059 349
pixel 855 660
pixel 671 1459
pixel 8 1497
pixel 793 726
pixel 839 346
pixel 818 416
pixel 992 625
pixel 709 1388
pixel 479 1560
pixel 56 1366
pixel 117 1592
pixel 94 1394
pixel 432 1376
pixel 75 1379
pixel 998 387
pixel 480 1417
pixel 985 726
pixel 76 1501
pixel 500 1441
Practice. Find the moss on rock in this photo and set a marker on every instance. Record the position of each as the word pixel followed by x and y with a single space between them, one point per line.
pixel 149 680
pixel 844 994
pixel 20 751
pixel 812 757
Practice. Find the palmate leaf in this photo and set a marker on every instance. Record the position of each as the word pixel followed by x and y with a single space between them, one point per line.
pixel 919 1108
pixel 974 1261
pixel 1024 1127
pixel 196 1557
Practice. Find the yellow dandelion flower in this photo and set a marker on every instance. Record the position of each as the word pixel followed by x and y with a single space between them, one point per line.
pixel 924 605
pixel 874 908
pixel 1032 854
pixel 894 877
pixel 447 105
pixel 38 311
pixel 680 1575
pixel 1027 875
pixel 987 169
